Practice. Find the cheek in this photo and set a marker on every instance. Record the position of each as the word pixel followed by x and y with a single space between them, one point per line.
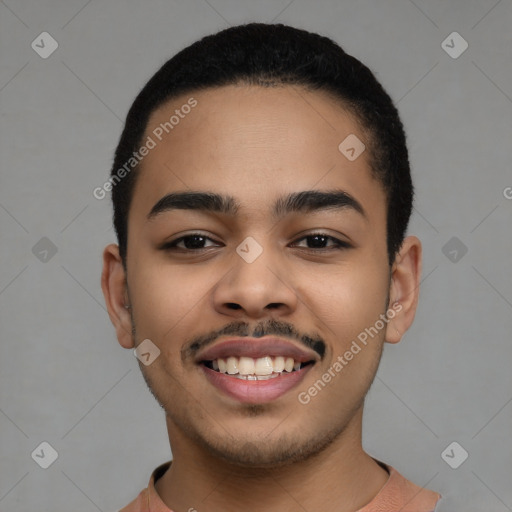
pixel 164 295
pixel 346 299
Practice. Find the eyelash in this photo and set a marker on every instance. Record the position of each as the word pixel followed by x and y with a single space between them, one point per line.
pixel 339 244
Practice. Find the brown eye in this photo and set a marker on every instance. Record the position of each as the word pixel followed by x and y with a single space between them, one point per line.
pixel 317 241
pixel 192 242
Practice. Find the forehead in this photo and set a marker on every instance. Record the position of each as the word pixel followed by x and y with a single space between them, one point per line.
pixel 255 144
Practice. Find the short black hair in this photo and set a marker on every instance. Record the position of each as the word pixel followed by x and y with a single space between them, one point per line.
pixel 271 55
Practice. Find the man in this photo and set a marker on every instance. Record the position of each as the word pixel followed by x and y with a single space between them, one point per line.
pixel 262 192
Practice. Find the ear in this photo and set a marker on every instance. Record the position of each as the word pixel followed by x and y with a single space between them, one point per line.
pixel 404 289
pixel 115 291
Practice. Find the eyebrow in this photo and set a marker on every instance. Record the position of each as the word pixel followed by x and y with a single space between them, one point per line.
pixel 307 201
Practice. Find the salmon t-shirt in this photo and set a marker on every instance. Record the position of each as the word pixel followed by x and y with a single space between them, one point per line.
pixel 397 495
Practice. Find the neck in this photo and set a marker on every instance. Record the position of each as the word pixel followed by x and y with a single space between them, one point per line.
pixel 342 478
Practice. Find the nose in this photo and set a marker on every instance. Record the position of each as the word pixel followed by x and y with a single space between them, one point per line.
pixel 256 288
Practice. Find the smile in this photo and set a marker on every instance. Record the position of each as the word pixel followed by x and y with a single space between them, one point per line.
pixel 262 368
pixel 255 370
pixel 255 381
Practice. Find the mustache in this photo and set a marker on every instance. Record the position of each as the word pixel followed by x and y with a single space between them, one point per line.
pixel 241 329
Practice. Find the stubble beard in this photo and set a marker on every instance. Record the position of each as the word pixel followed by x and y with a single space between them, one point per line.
pixel 265 453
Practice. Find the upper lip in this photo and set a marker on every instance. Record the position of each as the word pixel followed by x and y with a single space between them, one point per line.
pixel 256 348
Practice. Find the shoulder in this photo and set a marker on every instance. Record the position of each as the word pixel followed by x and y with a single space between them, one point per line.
pixel 401 494
pixel 139 504
pixel 148 499
pixel 409 496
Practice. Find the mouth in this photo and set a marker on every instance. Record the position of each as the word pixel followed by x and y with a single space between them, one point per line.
pixel 256 371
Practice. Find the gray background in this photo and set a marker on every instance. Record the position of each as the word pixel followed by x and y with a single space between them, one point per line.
pixel 65 380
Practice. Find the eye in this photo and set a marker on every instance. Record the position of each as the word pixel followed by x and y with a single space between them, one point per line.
pixel 192 242
pixel 196 242
pixel 319 239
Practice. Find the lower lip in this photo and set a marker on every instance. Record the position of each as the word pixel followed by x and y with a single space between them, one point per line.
pixel 255 391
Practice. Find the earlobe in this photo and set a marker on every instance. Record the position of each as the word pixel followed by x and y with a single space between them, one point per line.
pixel 115 292
pixel 404 289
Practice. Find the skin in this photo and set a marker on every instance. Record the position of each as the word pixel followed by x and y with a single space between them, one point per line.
pixel 257 144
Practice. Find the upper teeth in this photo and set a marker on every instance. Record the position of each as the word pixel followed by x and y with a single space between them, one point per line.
pixel 249 366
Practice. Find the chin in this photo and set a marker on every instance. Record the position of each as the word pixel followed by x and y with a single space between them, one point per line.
pixel 267 451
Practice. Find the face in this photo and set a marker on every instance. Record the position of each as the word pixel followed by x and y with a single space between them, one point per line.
pixel 302 279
